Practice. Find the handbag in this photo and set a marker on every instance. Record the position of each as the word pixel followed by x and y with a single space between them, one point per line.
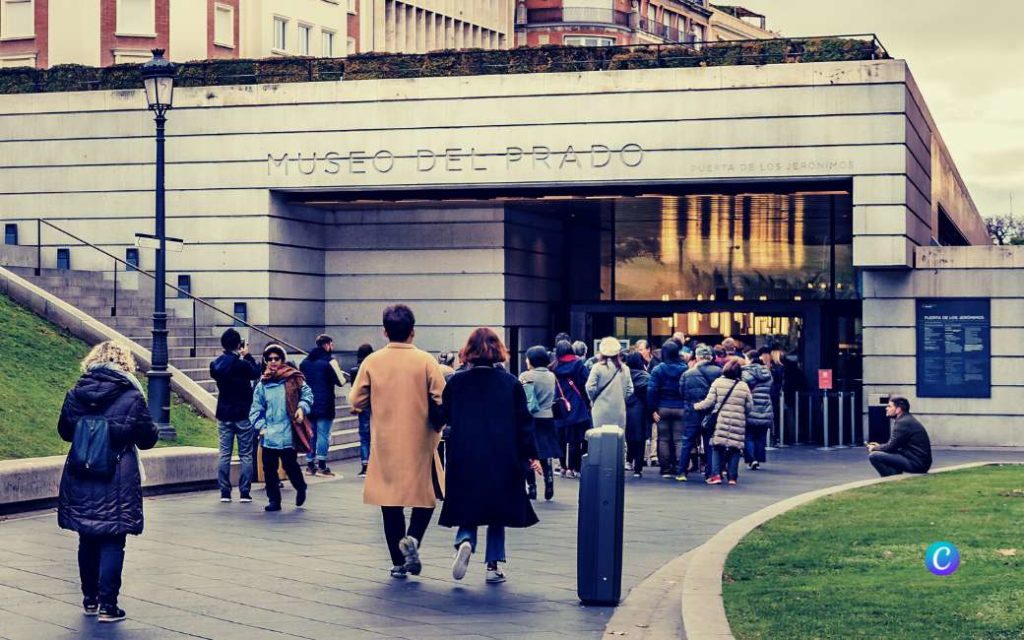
pixel 561 407
pixel 710 422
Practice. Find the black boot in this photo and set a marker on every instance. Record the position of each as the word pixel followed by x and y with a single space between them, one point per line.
pixel 549 484
pixel 532 491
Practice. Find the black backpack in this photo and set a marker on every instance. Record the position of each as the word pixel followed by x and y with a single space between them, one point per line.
pixel 92 455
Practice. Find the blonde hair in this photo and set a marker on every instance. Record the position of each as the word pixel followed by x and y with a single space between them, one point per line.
pixel 114 352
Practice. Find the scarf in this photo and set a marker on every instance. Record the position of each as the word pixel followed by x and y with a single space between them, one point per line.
pixel 302 432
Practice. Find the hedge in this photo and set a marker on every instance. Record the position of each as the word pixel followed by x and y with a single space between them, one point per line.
pixel 467 62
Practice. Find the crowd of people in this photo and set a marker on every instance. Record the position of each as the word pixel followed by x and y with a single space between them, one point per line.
pixel 459 428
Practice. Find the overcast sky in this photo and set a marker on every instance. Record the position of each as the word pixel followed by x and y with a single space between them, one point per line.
pixel 968 59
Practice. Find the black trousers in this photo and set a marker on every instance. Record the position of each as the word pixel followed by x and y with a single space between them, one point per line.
pixel 287 458
pixel 100 561
pixel 635 450
pixel 889 464
pixel 394 528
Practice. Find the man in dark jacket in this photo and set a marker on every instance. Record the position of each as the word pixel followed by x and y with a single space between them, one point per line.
pixel 234 372
pixel 693 387
pixel 322 375
pixel 667 406
pixel 908 450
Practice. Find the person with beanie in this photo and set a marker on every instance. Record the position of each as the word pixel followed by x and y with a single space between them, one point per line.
pixel 281 403
pixel 663 397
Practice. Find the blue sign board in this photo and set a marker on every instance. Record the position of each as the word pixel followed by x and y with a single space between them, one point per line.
pixel 954 348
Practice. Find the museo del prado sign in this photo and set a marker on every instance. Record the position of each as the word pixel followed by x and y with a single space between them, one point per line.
pixel 455 159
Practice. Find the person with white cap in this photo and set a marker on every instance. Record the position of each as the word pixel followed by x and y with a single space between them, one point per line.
pixel 609 385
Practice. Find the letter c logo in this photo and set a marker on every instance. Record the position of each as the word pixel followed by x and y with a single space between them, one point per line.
pixel 942 558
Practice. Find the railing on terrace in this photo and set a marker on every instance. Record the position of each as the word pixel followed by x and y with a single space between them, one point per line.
pixel 546 59
pixel 127 267
pixel 579 14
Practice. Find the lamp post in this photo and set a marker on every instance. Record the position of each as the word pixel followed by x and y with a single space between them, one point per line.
pixel 158 79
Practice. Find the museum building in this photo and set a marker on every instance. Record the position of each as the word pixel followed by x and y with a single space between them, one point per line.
pixel 778 204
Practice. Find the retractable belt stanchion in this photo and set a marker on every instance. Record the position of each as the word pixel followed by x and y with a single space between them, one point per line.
pixel 824 411
pixel 796 418
pixel 841 413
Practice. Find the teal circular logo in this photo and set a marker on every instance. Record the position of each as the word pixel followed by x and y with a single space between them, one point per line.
pixel 942 558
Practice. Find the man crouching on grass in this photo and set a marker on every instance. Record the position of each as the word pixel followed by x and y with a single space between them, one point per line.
pixel 908 450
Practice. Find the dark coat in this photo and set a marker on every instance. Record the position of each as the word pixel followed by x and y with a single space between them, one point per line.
pixel 778 372
pixel 910 440
pixel 693 387
pixel 759 379
pixel 664 387
pixel 321 378
pixel 572 378
pixel 112 506
pixel 490 442
pixel 234 376
pixel 638 413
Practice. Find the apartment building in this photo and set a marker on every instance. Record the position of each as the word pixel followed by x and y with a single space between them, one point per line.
pixel 623 22
pixel 418 26
pixel 44 33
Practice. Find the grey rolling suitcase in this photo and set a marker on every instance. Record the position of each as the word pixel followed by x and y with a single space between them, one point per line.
pixel 599 532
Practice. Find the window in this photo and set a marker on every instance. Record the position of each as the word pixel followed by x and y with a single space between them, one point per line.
pixel 280 34
pixel 698 34
pixel 223 25
pixel 587 41
pixel 185 286
pixel 122 56
pixel 131 256
pixel 26 60
pixel 305 35
pixel 327 43
pixel 11 233
pixel 136 18
pixel 18 19
pixel 241 311
pixel 64 258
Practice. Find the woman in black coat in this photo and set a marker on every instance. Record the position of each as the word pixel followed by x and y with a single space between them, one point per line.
pixel 103 510
pixel 638 414
pixel 489 444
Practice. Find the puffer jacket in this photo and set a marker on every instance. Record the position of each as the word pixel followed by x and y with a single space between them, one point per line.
pixel 759 380
pixel 113 506
pixel 693 387
pixel 664 387
pixel 731 428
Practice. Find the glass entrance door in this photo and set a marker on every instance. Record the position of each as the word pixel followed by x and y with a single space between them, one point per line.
pixel 753 329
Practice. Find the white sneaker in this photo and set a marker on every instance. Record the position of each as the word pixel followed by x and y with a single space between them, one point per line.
pixel 461 564
pixel 495 575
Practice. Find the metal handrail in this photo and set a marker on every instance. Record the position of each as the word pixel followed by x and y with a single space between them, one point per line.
pixel 195 299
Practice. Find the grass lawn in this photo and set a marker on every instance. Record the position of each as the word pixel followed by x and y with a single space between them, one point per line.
pixel 38 364
pixel 852 565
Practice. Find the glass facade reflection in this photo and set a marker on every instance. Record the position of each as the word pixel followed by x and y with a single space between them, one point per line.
pixel 767 246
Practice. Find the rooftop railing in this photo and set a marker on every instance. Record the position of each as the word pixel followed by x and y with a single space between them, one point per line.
pixel 447 63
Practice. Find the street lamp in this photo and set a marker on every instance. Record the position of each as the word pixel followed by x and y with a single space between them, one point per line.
pixel 158 79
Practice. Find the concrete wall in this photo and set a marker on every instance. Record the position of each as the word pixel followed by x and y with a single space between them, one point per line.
pixel 890 340
pixel 533 280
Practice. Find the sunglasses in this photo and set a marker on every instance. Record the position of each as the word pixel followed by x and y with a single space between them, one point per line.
pixel 273 359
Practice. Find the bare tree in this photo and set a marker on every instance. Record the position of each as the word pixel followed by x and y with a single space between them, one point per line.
pixel 1005 229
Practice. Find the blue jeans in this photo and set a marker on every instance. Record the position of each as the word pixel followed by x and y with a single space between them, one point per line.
pixel 321 439
pixel 691 437
pixel 731 455
pixel 364 436
pixel 754 446
pixel 495 542
pixel 227 432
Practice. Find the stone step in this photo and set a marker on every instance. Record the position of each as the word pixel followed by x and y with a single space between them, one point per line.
pixel 203 340
pixel 60 276
pixel 142 322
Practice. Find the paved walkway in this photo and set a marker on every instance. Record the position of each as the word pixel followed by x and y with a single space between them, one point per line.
pixel 207 570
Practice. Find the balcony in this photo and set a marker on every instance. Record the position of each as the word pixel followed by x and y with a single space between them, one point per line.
pixel 578 14
pixel 665 32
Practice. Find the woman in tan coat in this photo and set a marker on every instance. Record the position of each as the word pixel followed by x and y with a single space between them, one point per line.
pixel 730 398
pixel 401 386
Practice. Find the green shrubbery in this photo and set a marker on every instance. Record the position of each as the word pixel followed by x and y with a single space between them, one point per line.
pixel 467 62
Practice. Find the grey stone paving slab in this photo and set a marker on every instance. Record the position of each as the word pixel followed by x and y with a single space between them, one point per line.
pixel 204 569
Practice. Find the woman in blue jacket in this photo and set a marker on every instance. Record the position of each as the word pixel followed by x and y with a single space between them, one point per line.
pixel 280 404
pixel 663 397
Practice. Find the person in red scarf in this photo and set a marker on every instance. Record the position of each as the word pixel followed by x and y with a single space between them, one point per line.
pixel 280 403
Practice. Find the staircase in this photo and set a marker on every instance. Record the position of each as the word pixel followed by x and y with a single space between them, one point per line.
pixel 93 293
